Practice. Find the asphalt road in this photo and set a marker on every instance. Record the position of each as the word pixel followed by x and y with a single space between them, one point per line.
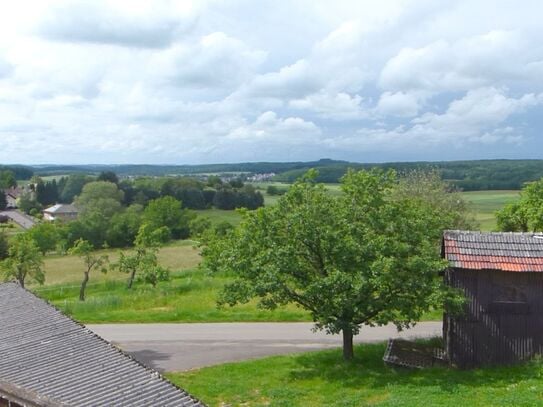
pixel 20 218
pixel 179 347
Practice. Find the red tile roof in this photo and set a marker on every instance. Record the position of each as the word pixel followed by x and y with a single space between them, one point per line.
pixel 494 251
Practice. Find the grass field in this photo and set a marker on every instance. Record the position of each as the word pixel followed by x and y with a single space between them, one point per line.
pixel 485 203
pixel 218 215
pixel 323 379
pixel 190 296
pixel 181 255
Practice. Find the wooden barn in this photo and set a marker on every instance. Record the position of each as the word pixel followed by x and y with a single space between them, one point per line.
pixel 501 275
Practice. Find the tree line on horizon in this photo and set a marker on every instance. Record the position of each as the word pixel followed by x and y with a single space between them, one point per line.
pixel 467 175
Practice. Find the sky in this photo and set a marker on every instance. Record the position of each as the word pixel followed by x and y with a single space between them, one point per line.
pixel 193 82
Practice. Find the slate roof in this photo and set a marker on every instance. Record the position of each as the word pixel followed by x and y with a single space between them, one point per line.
pixel 517 252
pixel 61 208
pixel 47 359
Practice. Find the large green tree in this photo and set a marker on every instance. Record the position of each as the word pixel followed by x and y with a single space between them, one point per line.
pixel 7 179
pixel 449 210
pixel 526 214
pixel 367 256
pixel 24 261
pixel 98 202
pixel 45 235
pixel 168 212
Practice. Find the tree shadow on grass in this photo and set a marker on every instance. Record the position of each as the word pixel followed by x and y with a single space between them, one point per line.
pixel 369 370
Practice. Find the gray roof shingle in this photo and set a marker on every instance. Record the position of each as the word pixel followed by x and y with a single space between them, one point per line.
pixel 52 360
pixel 494 251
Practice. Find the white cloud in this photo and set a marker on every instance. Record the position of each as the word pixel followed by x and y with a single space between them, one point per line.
pixel 127 23
pixel 215 60
pixel 400 104
pixel 269 127
pixel 335 106
pixel 494 57
pixel 175 81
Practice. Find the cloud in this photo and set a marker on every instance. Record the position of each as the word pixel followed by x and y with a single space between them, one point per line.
pixel 270 128
pixel 5 68
pixel 203 81
pixel 333 66
pixel 399 104
pixel 215 60
pixel 495 57
pixel 335 106
pixel 476 118
pixel 128 23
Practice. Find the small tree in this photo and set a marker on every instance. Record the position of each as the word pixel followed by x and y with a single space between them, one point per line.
pixel 143 263
pixel 363 257
pixel 24 260
pixel 92 261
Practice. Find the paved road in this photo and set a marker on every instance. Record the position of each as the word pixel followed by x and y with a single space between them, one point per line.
pixel 20 218
pixel 178 347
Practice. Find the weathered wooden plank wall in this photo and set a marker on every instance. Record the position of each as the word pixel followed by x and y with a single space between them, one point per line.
pixel 503 323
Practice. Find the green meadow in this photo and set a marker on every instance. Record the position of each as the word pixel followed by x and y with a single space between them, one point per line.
pixel 484 204
pixel 322 378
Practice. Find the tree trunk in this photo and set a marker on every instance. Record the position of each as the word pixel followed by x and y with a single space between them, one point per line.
pixel 83 286
pixel 131 278
pixel 21 281
pixel 348 351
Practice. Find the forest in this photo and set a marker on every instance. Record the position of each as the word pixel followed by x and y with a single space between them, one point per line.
pixel 474 175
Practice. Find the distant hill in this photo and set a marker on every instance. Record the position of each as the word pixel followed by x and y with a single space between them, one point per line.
pixel 157 170
pixel 467 175
pixel 472 175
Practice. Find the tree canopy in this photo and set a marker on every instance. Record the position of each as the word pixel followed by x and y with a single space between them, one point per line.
pixel 367 256
pixel 24 260
pixel 526 214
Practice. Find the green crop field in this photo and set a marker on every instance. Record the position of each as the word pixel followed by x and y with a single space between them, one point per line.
pixel 485 203
pixel 322 378
pixel 219 215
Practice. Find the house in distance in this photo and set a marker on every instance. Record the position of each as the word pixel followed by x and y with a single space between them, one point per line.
pixel 501 274
pixel 63 212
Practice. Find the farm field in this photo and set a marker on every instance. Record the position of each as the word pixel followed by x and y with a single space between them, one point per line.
pixel 322 378
pixel 485 203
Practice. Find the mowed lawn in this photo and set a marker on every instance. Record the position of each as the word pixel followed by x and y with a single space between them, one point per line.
pixel 485 204
pixel 322 379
